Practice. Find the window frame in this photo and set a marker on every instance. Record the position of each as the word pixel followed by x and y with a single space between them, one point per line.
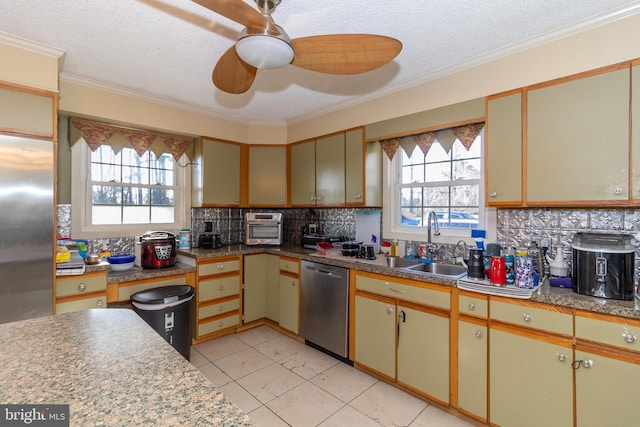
pixel 81 226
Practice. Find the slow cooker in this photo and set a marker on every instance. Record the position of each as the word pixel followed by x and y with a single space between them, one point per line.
pixel 603 265
pixel 157 249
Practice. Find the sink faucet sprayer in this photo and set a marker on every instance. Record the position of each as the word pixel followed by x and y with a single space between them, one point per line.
pixel 432 249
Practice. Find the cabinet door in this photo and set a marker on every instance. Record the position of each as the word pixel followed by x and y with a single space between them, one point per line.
pixel 289 302
pixel 375 334
pixel 423 352
pixel 472 369
pixel 267 176
pixel 354 167
pixel 330 170
pixel 503 156
pixel 531 381
pixel 635 135
pixel 220 173
pixel 303 173
pixel 255 287
pixel 603 387
pixel 272 309
pixel 578 140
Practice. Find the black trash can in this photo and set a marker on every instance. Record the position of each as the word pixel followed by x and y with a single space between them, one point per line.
pixel 168 310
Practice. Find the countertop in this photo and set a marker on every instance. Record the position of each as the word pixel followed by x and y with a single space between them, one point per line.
pixel 545 293
pixel 138 273
pixel 111 368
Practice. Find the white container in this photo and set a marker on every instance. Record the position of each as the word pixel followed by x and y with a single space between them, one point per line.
pixel 184 241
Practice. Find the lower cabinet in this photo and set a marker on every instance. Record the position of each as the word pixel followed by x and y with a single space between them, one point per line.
pixel 289 302
pixel 375 334
pixel 75 293
pixel 261 287
pixel 472 368
pixel 218 296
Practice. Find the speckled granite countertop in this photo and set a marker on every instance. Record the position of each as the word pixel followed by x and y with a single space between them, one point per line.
pixel 546 294
pixel 111 368
pixel 138 273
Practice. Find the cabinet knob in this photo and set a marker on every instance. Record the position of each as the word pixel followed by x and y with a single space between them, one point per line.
pixel 617 191
pixel 586 363
pixel 221 267
pixel 293 283
pixel 478 334
pixel 472 306
pixel 358 196
pixel 562 357
pixel 493 195
pixel 313 198
pixel 220 324
pixel 390 309
pixel 99 303
pixel 221 288
pixel 527 317
pixel 82 287
pixel 629 338
pixel 221 308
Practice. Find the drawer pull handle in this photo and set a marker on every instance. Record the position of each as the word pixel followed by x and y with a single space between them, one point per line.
pixel 527 317
pixel 220 267
pixel 221 288
pixel 585 363
pixel 293 283
pixel 399 291
pixel 219 324
pixel 629 338
pixel 82 287
pixel 99 303
pixel 390 309
pixel 493 194
pixel 221 308
pixel 562 357
pixel 472 306
pixel 478 334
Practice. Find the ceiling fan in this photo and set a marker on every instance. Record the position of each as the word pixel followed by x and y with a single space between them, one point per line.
pixel 264 44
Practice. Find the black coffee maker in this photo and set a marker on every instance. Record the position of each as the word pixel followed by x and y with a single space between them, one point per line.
pixel 475 268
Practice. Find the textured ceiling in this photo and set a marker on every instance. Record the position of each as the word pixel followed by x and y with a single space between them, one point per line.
pixel 166 49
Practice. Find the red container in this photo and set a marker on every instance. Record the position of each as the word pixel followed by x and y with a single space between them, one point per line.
pixel 498 275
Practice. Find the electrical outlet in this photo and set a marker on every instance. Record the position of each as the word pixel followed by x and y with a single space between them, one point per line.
pixel 208 226
pixel 544 242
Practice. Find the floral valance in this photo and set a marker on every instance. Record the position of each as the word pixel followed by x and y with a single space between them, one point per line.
pixel 445 137
pixel 95 134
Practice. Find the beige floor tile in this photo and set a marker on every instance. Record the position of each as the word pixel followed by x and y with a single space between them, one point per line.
pixel 308 362
pixel 196 358
pixel 263 417
pixel 270 382
pixel 258 335
pixel 280 348
pixel 214 374
pixel 388 405
pixel 436 417
pixel 243 363
pixel 221 347
pixel 344 381
pixel 348 416
pixel 240 397
pixel 305 406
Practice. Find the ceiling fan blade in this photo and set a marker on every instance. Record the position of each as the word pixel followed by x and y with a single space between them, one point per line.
pixel 240 12
pixel 231 74
pixel 344 53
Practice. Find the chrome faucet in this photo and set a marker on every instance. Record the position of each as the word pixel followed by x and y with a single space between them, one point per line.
pixel 432 249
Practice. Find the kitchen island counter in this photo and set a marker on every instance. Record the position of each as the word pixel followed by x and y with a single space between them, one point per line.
pixel 111 368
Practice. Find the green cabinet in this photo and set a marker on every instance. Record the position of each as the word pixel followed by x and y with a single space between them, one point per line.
pixel 503 154
pixel 27 112
pixel 354 167
pixel 375 334
pixel 303 173
pixel 472 368
pixel 267 176
pixel 635 134
pixel 216 174
pixel 261 287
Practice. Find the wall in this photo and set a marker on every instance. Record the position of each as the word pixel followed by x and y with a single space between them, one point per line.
pixel 31 66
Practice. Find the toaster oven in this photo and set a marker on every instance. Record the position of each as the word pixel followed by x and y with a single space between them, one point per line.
pixel 263 228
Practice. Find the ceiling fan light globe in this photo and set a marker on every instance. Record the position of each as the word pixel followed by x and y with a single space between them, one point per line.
pixel 264 51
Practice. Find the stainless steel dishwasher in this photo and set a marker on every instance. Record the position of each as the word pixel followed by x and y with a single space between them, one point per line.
pixel 324 307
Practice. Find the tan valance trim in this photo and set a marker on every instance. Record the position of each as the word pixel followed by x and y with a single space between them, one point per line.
pixel 96 133
pixel 466 134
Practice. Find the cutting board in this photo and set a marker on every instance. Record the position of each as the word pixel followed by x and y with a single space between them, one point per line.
pixel 368 225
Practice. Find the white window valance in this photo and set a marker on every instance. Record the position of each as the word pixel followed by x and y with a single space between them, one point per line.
pixel 467 134
pixel 96 133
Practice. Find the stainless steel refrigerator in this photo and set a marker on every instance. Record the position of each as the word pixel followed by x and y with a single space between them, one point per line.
pixel 26 228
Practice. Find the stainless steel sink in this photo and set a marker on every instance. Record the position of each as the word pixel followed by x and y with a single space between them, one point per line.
pixel 398 262
pixel 448 271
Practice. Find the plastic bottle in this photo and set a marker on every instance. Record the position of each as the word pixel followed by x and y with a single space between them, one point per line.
pixel 409 250
pixel 104 253
pixel 394 247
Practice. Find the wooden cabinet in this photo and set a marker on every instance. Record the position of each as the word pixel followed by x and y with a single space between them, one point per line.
pixel 577 146
pixel 74 293
pixel 635 132
pixel 267 175
pixel 503 153
pixel 607 369
pixel 289 296
pixel 404 324
pixel 530 364
pixel 27 111
pixel 122 291
pixel 218 295
pixel 330 170
pixel 261 287
pixel 302 177
pixel 355 162
pixel 217 173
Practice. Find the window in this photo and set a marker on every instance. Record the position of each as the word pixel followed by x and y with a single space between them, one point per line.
pixel 130 189
pixel 448 182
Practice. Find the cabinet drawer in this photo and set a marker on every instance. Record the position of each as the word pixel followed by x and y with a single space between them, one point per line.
pixel 218 288
pixel 218 325
pixel 404 292
pixel 289 265
pixel 125 292
pixel 219 267
pixel 80 285
pixel 531 317
pixel 220 308
pixel 617 333
pixel 82 304
pixel 473 306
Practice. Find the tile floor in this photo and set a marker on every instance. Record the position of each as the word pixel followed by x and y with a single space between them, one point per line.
pixel 279 381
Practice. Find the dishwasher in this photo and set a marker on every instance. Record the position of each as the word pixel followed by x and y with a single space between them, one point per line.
pixel 324 307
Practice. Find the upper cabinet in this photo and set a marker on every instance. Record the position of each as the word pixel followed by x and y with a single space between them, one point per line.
pixel 217 173
pixel 354 167
pixel 577 145
pixel 503 151
pixel 330 170
pixel 267 175
pixel 27 111
pixel 635 132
